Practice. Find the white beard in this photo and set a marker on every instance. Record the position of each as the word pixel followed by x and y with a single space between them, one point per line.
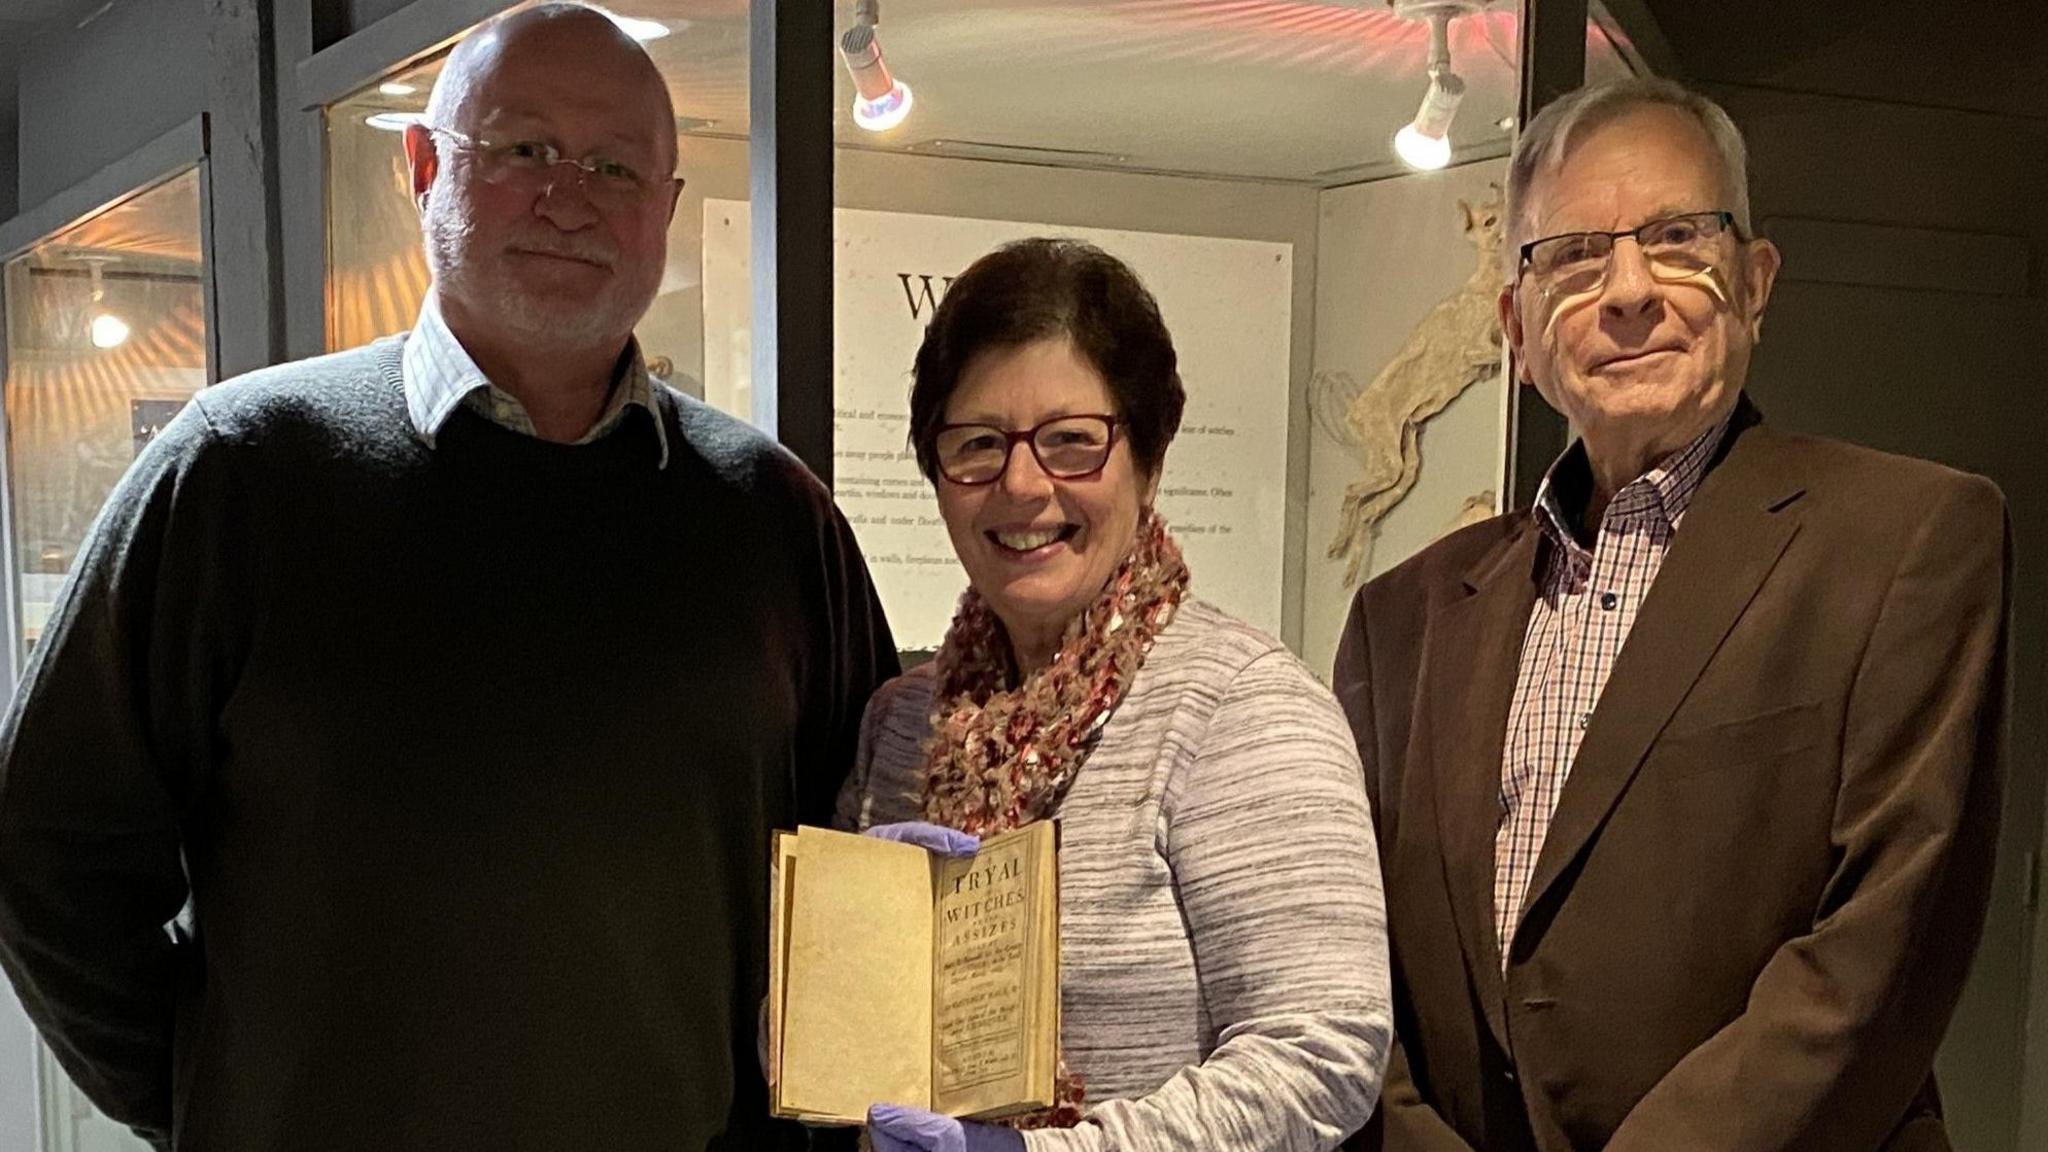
pixel 461 272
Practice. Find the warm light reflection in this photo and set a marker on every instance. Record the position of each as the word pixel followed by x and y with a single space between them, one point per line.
pixel 105 335
pixel 109 331
pixel 1365 40
pixel 641 30
pixel 375 285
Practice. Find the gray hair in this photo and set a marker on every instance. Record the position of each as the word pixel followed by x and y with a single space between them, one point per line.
pixel 1542 145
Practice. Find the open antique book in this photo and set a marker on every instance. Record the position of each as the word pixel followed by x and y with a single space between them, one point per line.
pixel 900 977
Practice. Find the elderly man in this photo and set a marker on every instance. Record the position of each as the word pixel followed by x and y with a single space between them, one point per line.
pixel 1686 781
pixel 456 682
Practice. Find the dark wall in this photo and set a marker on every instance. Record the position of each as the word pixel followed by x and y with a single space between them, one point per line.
pixel 1912 316
pixel 1899 153
pixel 363 13
pixel 92 95
pixel 10 175
pixel 10 198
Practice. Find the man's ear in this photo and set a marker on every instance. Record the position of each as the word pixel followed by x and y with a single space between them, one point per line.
pixel 422 159
pixel 1511 327
pixel 1759 275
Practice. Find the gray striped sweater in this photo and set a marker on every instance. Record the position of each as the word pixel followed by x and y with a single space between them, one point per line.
pixel 1223 953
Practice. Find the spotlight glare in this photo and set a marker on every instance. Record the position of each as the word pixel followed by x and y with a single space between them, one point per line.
pixel 394 88
pixel 638 29
pixel 392 121
pixel 885 113
pixel 1419 151
pixel 109 330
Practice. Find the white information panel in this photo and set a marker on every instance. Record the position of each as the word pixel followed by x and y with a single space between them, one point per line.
pixel 1227 303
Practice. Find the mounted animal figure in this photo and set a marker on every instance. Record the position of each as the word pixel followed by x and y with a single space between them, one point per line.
pixel 1455 346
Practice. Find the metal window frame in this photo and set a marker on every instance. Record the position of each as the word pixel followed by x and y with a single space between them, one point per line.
pixel 1553 63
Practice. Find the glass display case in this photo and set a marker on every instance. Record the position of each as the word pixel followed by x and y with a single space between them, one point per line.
pixel 106 340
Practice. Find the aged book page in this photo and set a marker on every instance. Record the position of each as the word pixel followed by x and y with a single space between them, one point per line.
pixel 857 987
pixel 995 974
pixel 781 873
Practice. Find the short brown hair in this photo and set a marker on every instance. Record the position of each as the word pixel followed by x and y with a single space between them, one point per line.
pixel 1032 289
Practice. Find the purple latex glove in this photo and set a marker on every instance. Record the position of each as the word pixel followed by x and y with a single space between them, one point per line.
pixel 944 841
pixel 895 1128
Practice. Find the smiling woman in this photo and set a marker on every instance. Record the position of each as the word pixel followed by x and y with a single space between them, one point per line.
pixel 1040 532
pixel 1194 764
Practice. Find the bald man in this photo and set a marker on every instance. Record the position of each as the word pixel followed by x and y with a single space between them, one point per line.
pixel 397 769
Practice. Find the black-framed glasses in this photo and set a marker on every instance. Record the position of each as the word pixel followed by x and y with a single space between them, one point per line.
pixel 1067 448
pixel 534 162
pixel 1674 248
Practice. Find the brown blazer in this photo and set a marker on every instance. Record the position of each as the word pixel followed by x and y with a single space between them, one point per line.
pixel 1766 875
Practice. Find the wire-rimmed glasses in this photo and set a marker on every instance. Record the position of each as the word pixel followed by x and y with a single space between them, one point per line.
pixel 1675 248
pixel 534 162
pixel 1066 447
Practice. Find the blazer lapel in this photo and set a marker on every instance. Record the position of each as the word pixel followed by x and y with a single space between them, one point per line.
pixel 1474 651
pixel 1737 527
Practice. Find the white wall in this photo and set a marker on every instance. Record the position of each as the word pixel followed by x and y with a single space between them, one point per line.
pixel 1388 251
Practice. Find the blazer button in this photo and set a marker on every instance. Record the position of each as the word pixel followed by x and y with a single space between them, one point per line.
pixel 1508 1075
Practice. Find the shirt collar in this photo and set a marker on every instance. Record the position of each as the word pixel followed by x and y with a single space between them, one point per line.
pixel 1665 491
pixel 439 376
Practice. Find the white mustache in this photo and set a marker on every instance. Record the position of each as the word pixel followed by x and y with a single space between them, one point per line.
pixel 587 253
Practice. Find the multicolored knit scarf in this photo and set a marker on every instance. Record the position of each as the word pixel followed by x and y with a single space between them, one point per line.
pixel 1002 754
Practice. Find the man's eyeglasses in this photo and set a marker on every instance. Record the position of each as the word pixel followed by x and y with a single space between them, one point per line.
pixel 1675 248
pixel 524 162
pixel 1067 448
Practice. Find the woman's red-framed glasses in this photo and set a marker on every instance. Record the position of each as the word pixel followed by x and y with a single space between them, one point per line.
pixel 1066 447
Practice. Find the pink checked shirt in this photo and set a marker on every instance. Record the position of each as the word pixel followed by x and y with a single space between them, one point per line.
pixel 1585 606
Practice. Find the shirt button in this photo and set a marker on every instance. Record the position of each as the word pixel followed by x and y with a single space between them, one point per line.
pixel 1585 718
pixel 1608 600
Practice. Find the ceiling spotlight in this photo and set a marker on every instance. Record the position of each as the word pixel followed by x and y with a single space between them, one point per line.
pixel 394 88
pixel 641 30
pixel 1425 142
pixel 881 101
pixel 106 329
pixel 393 121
